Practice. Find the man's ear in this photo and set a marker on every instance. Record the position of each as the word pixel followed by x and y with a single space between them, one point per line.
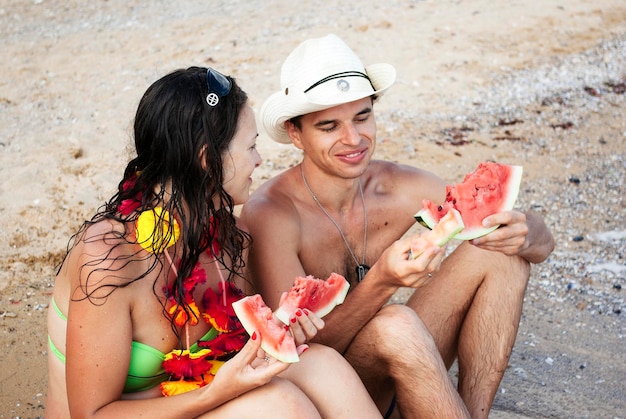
pixel 294 134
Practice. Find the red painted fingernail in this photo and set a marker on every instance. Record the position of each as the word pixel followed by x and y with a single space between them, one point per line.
pixel 286 327
pixel 299 313
pixel 305 349
pixel 293 320
pixel 253 337
pixel 307 312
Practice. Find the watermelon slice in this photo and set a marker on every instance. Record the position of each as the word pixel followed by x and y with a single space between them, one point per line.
pixel 314 294
pixel 491 188
pixel 448 227
pixel 254 315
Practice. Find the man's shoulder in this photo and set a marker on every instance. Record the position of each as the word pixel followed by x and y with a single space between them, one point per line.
pixel 383 169
pixel 402 182
pixel 272 196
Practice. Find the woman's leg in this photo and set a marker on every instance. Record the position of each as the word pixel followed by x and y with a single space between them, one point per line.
pixel 279 399
pixel 332 384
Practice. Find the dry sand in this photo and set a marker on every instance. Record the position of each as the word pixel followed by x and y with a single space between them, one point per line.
pixel 533 83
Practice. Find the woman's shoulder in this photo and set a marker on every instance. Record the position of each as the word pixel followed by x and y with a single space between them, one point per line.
pixel 103 247
pixel 104 234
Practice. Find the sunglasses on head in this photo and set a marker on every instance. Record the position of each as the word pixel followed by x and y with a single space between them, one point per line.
pixel 218 85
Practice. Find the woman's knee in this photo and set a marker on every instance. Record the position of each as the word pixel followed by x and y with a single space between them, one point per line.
pixel 315 363
pixel 286 394
pixel 280 398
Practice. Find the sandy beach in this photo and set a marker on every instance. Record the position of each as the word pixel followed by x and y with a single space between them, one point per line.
pixel 538 84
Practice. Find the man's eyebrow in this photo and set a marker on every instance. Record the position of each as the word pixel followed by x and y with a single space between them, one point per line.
pixel 323 122
pixel 365 110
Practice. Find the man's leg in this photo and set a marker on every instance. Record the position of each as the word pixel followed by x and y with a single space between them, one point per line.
pixel 395 354
pixel 472 307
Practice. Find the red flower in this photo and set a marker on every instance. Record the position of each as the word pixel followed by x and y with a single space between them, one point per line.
pixel 130 182
pixel 182 364
pixel 128 206
pixel 225 343
pixel 179 363
pixel 222 317
pixel 214 249
pixel 177 312
pixel 198 276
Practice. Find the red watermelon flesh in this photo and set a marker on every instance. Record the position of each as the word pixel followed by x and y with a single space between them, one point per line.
pixel 491 188
pixel 316 295
pixel 255 316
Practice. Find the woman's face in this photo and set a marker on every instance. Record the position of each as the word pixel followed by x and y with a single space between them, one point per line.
pixel 241 158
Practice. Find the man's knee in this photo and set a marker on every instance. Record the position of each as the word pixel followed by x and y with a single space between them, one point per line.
pixel 400 336
pixel 496 265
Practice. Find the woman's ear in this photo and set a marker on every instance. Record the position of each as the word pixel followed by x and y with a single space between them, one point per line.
pixel 294 134
pixel 202 157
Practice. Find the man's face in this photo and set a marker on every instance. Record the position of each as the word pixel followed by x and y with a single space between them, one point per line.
pixel 342 138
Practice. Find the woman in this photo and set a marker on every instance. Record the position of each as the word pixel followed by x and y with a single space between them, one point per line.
pixel 141 303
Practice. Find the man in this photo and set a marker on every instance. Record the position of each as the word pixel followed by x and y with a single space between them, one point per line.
pixel 340 211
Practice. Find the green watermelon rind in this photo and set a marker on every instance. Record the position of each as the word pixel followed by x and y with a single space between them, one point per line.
pixel 424 218
pixel 249 324
pixel 286 309
pixel 448 235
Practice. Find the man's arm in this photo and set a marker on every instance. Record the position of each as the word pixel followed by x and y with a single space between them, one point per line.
pixel 274 264
pixel 393 270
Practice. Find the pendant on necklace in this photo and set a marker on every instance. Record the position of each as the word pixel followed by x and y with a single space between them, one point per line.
pixel 361 270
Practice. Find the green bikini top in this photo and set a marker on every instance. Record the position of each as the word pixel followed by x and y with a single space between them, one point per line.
pixel 146 363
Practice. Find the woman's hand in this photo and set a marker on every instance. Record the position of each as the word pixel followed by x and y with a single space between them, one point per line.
pixel 249 369
pixel 304 325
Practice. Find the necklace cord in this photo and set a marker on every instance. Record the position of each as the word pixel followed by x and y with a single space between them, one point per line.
pixel 319 204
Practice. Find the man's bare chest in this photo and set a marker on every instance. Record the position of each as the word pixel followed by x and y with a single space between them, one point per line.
pixel 328 246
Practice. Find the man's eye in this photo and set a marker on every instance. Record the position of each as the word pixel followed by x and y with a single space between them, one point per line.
pixel 329 128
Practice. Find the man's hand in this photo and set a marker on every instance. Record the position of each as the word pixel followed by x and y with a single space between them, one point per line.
pixel 510 238
pixel 397 269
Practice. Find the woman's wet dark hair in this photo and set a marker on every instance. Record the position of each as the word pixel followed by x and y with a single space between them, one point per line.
pixel 180 141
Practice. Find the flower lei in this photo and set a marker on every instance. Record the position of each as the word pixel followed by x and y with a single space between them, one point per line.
pixel 195 366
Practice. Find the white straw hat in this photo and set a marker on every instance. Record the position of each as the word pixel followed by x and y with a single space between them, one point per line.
pixel 319 74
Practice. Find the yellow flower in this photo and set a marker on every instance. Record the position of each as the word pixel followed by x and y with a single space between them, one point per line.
pixel 172 388
pixel 156 231
pixel 216 365
pixel 193 369
pixel 177 353
pixel 181 317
